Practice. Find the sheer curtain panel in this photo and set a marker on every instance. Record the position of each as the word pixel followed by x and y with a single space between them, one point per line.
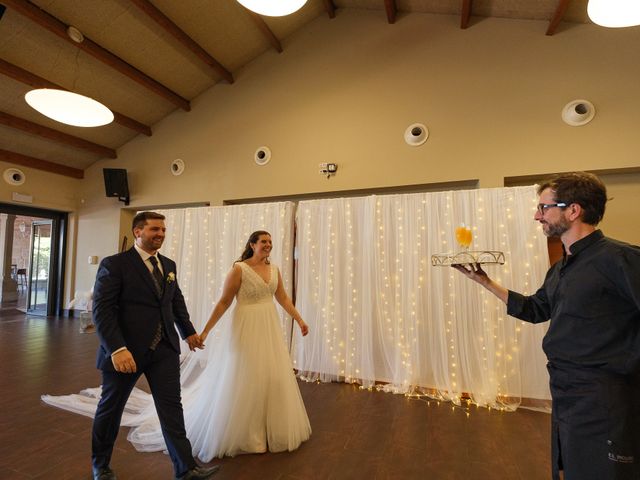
pixel 379 312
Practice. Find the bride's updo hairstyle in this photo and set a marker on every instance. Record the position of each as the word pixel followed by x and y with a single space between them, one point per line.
pixel 253 238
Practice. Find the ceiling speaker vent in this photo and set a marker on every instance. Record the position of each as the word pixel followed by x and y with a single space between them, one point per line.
pixel 578 113
pixel 262 156
pixel 13 176
pixel 177 167
pixel 416 134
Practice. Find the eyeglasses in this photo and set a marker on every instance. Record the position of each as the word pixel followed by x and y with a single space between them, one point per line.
pixel 542 207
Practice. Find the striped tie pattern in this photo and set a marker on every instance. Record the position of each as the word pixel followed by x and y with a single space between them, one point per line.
pixel 158 281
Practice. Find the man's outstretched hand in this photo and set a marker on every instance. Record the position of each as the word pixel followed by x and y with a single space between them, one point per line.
pixel 474 272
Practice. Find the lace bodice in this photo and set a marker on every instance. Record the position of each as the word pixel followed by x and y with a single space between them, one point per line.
pixel 253 288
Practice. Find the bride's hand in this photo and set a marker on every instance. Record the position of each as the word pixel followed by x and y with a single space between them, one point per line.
pixel 304 328
pixel 203 337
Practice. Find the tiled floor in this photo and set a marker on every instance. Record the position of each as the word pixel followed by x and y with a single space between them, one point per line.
pixel 356 434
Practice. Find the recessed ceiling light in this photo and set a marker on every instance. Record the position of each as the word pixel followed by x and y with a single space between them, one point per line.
pixel 68 107
pixel 74 34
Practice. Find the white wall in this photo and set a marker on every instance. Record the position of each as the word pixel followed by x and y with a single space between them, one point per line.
pixel 344 90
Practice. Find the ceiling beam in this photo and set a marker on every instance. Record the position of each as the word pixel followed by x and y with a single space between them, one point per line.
pixel 38 164
pixel 31 79
pixel 51 23
pixel 330 8
pixel 167 24
pixel 465 14
pixel 131 124
pixel 49 133
pixel 390 7
pixel 557 16
pixel 266 31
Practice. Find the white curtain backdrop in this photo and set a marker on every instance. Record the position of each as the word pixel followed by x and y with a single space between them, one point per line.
pixel 204 242
pixel 379 311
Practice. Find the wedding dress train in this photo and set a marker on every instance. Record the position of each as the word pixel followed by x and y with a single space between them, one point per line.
pixel 244 398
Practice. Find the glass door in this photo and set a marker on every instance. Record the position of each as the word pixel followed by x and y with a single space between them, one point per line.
pixel 39 267
pixel 38 251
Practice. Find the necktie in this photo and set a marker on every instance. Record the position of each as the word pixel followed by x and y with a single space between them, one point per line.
pixel 158 280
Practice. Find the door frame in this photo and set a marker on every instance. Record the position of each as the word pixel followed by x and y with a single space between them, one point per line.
pixel 33 264
pixel 59 229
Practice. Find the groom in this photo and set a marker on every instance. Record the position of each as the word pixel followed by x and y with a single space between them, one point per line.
pixel 137 305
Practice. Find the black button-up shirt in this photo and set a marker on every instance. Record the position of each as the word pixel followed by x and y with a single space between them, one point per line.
pixel 592 298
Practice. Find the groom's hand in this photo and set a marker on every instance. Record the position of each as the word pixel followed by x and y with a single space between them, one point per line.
pixel 123 362
pixel 194 342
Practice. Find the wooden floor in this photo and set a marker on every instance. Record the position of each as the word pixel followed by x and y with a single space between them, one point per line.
pixel 356 434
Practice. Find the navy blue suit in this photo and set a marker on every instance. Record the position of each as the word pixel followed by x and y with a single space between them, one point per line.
pixel 127 308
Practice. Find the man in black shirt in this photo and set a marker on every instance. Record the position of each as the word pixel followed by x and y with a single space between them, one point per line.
pixel 592 297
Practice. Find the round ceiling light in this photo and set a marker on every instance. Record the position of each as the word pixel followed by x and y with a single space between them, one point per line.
pixel 614 13
pixel 273 8
pixel 68 107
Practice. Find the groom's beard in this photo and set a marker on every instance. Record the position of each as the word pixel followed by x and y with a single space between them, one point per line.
pixel 152 243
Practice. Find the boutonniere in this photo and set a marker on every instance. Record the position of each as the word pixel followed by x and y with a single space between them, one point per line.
pixel 171 277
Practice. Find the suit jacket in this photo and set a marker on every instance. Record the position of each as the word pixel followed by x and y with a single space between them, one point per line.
pixel 127 306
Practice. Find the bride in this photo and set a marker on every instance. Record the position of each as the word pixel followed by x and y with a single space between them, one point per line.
pixel 252 403
pixel 244 398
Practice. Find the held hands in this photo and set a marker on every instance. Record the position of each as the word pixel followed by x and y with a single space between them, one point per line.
pixel 195 341
pixel 203 337
pixel 123 362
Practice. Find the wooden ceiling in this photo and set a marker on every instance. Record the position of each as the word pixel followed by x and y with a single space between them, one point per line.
pixel 146 58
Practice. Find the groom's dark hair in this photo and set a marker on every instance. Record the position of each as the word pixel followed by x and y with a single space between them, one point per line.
pixel 140 220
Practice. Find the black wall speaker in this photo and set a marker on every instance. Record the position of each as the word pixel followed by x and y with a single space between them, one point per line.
pixel 115 183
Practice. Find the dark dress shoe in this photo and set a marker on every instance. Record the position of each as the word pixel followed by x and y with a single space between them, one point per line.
pixel 200 473
pixel 103 473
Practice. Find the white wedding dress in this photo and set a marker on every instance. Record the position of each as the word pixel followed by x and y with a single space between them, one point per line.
pixel 243 399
